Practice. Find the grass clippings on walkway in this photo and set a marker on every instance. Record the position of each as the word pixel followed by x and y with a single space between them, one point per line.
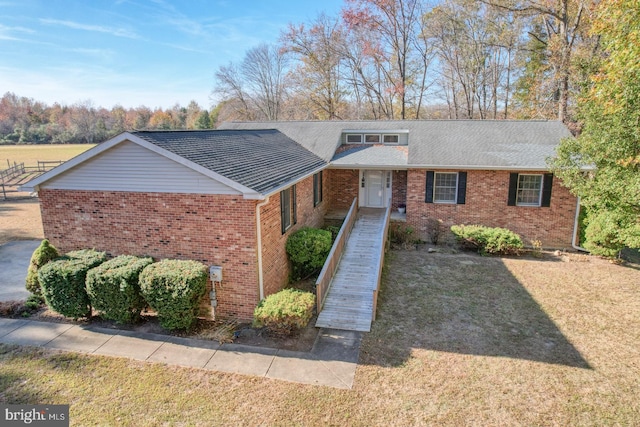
pixel 459 340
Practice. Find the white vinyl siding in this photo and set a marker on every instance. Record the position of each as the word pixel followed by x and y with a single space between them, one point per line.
pixel 130 167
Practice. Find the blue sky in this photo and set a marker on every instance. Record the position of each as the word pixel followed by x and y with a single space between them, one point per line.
pixel 135 52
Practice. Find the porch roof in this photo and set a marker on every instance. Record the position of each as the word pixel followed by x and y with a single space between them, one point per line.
pixel 378 156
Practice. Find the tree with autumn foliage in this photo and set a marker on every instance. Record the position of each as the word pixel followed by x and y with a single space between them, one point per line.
pixel 602 165
pixel 387 31
pixel 317 76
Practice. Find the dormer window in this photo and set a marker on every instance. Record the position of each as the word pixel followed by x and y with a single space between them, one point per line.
pixel 372 138
pixel 390 139
pixel 354 138
pixel 364 136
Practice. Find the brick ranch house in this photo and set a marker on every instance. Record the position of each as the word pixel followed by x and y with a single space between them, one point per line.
pixel 231 197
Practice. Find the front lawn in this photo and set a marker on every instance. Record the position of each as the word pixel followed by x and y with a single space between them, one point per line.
pixel 459 340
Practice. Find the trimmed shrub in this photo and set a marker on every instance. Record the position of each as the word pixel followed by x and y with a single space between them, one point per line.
pixel 174 290
pixel 308 249
pixel 63 282
pixel 42 255
pixel 488 240
pixel 114 290
pixel 284 312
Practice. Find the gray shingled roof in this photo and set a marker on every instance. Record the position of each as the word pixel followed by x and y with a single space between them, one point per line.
pixel 320 137
pixel 262 160
pixel 478 144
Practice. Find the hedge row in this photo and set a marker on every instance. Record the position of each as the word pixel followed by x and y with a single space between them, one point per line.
pixel 114 290
pixel 63 282
pixel 174 290
pixel 488 240
pixel 120 288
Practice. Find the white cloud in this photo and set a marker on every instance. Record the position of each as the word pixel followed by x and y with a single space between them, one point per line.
pixel 118 32
pixel 105 87
pixel 10 33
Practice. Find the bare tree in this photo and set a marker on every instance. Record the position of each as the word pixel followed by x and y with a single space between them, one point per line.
pixel 391 27
pixel 475 48
pixel 562 20
pixel 230 86
pixel 264 69
pixel 317 77
pixel 257 84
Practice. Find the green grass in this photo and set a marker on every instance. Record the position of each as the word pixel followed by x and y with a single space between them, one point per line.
pixel 30 154
pixel 459 340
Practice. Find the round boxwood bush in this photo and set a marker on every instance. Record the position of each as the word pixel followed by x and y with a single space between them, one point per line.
pixel 63 282
pixel 285 312
pixel 308 249
pixel 42 255
pixel 174 290
pixel 114 290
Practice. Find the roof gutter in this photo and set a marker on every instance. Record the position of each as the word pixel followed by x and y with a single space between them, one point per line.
pixel 479 167
pixel 363 166
pixel 259 244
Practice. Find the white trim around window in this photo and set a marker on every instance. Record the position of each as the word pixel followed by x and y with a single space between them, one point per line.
pixel 354 138
pixel 529 190
pixel 445 187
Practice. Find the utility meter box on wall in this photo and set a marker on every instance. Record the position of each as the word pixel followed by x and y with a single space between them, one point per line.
pixel 215 272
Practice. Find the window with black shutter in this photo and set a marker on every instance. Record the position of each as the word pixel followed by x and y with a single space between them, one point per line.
pixel 446 187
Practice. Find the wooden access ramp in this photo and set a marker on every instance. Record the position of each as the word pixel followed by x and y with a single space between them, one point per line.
pixel 350 302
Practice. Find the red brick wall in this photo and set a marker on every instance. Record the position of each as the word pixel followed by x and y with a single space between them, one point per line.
pixel 343 187
pixel 275 263
pixel 486 204
pixel 399 188
pixel 213 229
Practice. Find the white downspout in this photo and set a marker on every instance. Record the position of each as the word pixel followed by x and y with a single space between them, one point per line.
pixel 259 243
pixel 575 229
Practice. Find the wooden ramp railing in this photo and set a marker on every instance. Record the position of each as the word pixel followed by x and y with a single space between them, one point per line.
pixel 350 301
pixel 331 264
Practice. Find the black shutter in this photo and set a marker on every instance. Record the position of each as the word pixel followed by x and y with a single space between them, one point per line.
pixel 294 207
pixel 462 188
pixel 547 183
pixel 315 190
pixel 513 189
pixel 283 222
pixel 429 193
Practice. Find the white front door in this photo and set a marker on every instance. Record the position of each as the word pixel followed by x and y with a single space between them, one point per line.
pixel 375 184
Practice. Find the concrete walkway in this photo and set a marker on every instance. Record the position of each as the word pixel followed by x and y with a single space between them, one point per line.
pixel 332 361
pixel 14 262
